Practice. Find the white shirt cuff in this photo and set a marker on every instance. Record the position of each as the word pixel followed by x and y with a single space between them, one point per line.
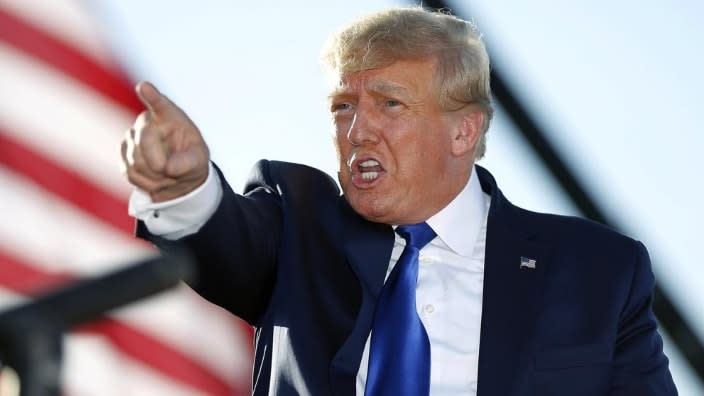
pixel 181 216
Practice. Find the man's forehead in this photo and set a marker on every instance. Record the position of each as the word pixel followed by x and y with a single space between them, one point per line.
pixel 358 82
pixel 400 77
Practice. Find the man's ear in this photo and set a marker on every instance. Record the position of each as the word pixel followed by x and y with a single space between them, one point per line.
pixel 468 132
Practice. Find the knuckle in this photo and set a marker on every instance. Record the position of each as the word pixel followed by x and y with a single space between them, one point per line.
pixel 133 177
pixel 141 181
pixel 141 167
pixel 165 184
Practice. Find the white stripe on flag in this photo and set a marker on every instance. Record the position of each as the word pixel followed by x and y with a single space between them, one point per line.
pixel 65 20
pixel 93 367
pixel 65 121
pixel 46 231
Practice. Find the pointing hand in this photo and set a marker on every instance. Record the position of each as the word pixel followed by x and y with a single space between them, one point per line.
pixel 163 153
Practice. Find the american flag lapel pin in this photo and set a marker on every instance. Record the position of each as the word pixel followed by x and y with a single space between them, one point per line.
pixel 527 263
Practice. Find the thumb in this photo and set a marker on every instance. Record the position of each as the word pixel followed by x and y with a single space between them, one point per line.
pixel 152 99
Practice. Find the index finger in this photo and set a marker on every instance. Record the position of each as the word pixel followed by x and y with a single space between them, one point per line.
pixel 153 100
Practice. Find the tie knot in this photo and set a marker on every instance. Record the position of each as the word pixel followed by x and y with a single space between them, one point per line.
pixel 416 235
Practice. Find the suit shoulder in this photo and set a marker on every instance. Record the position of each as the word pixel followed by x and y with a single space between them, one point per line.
pixel 560 229
pixel 575 230
pixel 281 177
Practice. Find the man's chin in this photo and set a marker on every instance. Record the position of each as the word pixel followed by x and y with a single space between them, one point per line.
pixel 371 211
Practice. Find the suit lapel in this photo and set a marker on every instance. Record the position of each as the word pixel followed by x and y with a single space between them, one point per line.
pixel 368 248
pixel 511 299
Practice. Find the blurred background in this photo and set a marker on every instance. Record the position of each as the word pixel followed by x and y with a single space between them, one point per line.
pixel 598 115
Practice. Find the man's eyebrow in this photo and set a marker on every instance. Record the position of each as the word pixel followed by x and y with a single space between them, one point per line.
pixel 380 87
pixel 339 91
pixel 386 87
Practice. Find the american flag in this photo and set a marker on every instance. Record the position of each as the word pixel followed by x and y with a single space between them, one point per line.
pixel 64 105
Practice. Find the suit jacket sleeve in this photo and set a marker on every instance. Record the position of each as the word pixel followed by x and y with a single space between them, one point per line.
pixel 640 366
pixel 236 249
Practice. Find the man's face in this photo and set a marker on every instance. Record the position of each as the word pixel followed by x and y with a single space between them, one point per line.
pixel 400 160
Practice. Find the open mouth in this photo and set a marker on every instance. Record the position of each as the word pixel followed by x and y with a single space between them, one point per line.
pixel 369 169
pixel 366 171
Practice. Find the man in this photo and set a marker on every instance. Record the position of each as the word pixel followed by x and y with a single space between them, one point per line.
pixel 504 301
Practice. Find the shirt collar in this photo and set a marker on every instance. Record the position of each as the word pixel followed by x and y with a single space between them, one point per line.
pixel 458 224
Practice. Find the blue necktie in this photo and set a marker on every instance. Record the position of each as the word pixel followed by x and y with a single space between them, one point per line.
pixel 399 354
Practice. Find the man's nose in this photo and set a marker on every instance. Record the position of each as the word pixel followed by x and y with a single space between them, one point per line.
pixel 364 128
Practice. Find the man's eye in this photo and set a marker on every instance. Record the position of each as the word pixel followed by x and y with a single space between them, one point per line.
pixel 392 103
pixel 341 107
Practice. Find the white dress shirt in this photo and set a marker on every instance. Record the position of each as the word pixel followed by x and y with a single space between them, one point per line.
pixel 449 292
pixel 450 275
pixel 181 216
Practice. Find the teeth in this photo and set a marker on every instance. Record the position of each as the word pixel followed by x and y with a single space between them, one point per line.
pixel 369 175
pixel 369 163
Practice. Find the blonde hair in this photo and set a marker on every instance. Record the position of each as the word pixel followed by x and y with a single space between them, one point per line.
pixel 413 33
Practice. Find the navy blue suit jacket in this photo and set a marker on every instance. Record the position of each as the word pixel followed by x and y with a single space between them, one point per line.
pixel 293 259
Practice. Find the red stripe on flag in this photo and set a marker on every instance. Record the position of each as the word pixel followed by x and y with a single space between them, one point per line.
pixel 67 59
pixel 160 356
pixel 21 277
pixel 64 183
pixel 28 280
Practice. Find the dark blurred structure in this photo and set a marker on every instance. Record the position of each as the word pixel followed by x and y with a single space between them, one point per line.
pixel 31 334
